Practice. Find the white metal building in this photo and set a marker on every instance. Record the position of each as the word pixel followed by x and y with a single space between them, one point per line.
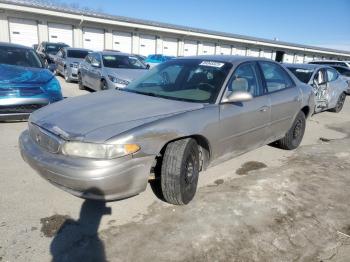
pixel 30 22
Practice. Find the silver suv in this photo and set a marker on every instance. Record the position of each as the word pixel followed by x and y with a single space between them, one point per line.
pixel 109 70
pixel 68 60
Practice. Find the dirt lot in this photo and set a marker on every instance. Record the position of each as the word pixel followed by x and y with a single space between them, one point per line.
pixel 267 205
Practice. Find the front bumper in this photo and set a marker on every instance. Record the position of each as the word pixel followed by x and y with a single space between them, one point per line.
pixel 20 108
pixel 73 73
pixel 105 180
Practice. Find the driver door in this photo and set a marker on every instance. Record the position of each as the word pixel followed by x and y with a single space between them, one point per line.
pixel 95 71
pixel 245 125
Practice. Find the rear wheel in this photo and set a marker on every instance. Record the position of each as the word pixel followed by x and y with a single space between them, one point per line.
pixel 80 82
pixel 103 85
pixel 295 134
pixel 180 171
pixel 340 104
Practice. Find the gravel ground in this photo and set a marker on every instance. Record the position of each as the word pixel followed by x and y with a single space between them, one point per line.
pixel 267 205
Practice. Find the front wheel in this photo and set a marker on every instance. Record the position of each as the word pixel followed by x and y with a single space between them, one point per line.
pixel 66 76
pixel 340 104
pixel 80 82
pixel 180 171
pixel 295 134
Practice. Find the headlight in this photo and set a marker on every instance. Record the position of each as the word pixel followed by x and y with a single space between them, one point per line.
pixel 120 82
pixel 54 89
pixel 98 151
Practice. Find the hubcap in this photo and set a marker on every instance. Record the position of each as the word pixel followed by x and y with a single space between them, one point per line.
pixel 341 101
pixel 297 129
pixel 189 172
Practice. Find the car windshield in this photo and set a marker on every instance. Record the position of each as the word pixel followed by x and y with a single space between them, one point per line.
pixel 191 80
pixel 125 62
pixel 77 53
pixel 19 57
pixel 304 75
pixel 53 48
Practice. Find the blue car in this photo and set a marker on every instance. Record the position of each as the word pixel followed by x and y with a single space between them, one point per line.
pixel 25 84
pixel 153 60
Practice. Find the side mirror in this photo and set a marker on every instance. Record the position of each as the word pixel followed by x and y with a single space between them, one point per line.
pixel 148 66
pixel 237 96
pixel 96 64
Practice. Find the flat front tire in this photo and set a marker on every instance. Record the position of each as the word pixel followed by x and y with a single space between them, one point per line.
pixel 180 171
pixel 295 134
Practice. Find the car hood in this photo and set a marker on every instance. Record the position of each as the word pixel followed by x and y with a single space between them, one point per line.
pixel 126 74
pixel 100 116
pixel 17 75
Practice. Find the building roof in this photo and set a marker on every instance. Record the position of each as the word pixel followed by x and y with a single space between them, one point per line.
pixel 50 5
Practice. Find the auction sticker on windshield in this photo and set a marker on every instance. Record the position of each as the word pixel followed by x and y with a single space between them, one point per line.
pixel 212 64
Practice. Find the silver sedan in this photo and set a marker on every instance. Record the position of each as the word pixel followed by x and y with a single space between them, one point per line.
pixel 329 87
pixel 164 128
pixel 109 70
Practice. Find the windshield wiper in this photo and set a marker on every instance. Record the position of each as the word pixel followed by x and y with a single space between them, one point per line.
pixel 137 92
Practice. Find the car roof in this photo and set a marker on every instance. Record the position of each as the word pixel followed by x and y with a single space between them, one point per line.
pixel 78 49
pixel 233 59
pixel 306 66
pixel 328 61
pixel 114 53
pixel 3 44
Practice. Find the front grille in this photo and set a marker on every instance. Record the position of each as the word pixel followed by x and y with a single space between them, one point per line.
pixel 45 139
pixel 21 91
pixel 20 109
pixel 30 91
pixel 8 92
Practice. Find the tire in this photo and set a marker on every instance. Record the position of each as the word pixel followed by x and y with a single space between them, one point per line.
pixel 340 104
pixel 103 85
pixel 66 77
pixel 295 134
pixel 80 82
pixel 180 171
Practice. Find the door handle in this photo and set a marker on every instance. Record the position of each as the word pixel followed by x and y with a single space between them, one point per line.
pixel 263 109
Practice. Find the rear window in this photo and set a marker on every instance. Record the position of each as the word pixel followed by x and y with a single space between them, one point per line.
pixel 19 57
pixel 77 53
pixel 53 48
pixel 304 75
pixel 125 62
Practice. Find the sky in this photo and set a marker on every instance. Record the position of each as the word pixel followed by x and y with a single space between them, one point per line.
pixel 324 23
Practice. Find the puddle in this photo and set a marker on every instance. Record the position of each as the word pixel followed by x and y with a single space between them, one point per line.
pixel 219 182
pixel 50 225
pixel 250 166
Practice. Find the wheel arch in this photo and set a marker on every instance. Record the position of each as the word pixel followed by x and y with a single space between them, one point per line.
pixel 204 149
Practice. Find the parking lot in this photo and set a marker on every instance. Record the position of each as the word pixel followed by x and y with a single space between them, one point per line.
pixel 268 205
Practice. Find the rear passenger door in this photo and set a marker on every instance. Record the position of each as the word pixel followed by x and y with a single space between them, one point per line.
pixel 285 98
pixel 244 125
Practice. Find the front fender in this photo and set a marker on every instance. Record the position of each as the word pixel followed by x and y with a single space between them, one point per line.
pixel 152 137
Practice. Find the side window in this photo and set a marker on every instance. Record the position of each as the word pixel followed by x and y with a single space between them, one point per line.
pixel 245 79
pixel 275 77
pixel 320 77
pixel 96 58
pixel 59 54
pixel 332 75
pixel 88 59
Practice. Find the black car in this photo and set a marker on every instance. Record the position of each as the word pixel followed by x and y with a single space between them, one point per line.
pixel 47 51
